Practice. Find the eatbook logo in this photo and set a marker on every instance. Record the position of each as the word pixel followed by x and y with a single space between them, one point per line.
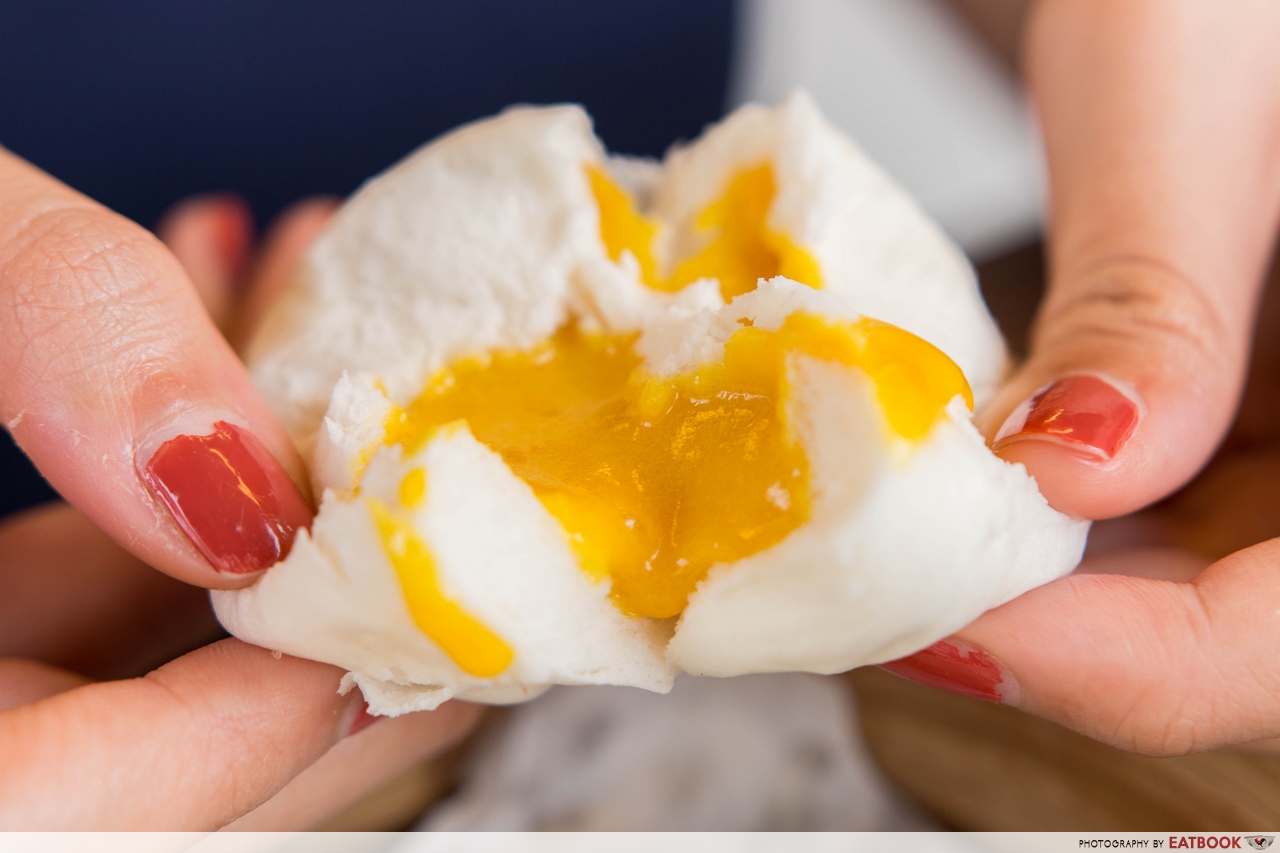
pixel 1261 842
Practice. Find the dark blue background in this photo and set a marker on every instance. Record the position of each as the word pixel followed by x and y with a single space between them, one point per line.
pixel 140 103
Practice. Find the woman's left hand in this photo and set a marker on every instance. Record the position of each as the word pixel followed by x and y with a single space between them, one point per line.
pixel 108 718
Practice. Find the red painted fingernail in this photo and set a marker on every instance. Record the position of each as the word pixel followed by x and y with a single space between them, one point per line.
pixel 363 720
pixel 229 495
pixel 956 668
pixel 231 233
pixel 1086 413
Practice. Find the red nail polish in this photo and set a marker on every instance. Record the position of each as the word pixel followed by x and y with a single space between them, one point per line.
pixel 1085 412
pixel 232 230
pixel 956 668
pixel 363 719
pixel 230 496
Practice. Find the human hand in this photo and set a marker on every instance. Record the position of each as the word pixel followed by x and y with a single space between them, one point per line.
pixel 104 343
pixel 1161 122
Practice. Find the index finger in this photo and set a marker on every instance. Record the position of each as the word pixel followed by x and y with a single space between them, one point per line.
pixel 1148 665
pixel 1152 666
pixel 116 383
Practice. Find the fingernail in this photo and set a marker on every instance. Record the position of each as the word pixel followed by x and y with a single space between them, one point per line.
pixel 229 495
pixel 230 233
pixel 1086 413
pixel 362 720
pixel 957 668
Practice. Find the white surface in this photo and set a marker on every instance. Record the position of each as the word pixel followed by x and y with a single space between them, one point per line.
pixel 762 752
pixel 922 96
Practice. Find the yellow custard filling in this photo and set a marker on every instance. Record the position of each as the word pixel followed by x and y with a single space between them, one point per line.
pixel 742 247
pixel 472 646
pixel 657 479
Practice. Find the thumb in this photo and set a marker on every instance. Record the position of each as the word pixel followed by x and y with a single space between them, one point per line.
pixel 1132 381
pixel 116 383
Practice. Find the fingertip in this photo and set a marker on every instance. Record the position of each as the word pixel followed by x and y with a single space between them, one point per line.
pixel 285 242
pixel 109 346
pixel 1089 413
pixel 212 579
pixel 1073 483
pixel 1075 436
pixel 957 667
pixel 226 218
pixel 212 237
pixel 230 497
pixel 294 229
pixel 1099 446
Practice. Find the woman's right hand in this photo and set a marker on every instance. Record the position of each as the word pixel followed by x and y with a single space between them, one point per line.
pixel 1162 126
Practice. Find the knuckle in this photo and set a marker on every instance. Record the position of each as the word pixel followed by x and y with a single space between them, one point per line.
pixel 1162 725
pixel 203 732
pixel 1215 699
pixel 1143 305
pixel 1153 723
pixel 80 298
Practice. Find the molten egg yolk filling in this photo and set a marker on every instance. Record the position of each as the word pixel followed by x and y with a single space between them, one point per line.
pixel 465 639
pixel 656 479
pixel 739 249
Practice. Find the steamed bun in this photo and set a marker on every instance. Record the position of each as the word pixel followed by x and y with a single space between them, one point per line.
pixel 580 419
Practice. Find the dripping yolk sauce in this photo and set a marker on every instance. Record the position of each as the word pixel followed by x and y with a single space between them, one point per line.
pixel 742 249
pixel 655 479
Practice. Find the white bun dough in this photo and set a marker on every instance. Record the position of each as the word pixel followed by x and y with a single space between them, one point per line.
pixel 489 238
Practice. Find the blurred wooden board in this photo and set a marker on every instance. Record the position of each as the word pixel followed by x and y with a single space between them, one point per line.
pixel 983 767
pixel 399 803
